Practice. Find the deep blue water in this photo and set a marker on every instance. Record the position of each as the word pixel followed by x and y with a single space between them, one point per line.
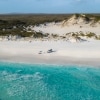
pixel 48 82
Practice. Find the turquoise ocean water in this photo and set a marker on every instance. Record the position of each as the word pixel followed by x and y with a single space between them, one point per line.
pixel 48 82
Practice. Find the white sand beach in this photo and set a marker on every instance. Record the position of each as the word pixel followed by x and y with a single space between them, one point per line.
pixel 64 52
pixel 66 48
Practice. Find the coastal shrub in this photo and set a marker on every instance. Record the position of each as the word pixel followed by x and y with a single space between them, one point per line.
pixel 27 34
pixel 77 15
pixel 90 34
pixel 82 34
pixel 74 34
pixel 38 35
pixel 4 33
pixel 97 37
pixel 86 18
pixel 54 35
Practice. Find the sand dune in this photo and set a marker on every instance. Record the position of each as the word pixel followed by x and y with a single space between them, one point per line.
pixel 73 24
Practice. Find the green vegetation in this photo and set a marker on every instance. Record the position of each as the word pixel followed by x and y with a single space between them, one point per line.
pixel 89 17
pixel 90 34
pixel 54 35
pixel 97 37
pixel 74 34
pixel 33 19
pixel 77 15
pixel 39 35
pixel 16 24
pixel 82 34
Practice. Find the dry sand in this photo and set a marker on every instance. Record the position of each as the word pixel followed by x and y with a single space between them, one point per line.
pixel 87 53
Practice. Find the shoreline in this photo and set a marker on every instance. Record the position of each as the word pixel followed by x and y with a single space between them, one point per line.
pixel 52 60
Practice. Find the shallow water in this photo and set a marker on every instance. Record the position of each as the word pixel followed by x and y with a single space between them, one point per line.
pixel 48 82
